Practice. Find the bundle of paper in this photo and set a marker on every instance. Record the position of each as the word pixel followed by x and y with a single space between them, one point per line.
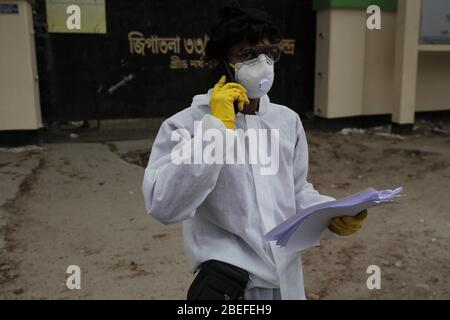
pixel 303 230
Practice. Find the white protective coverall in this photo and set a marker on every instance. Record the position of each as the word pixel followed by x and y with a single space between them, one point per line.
pixel 227 208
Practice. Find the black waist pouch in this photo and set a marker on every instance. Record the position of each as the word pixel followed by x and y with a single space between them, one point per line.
pixel 218 280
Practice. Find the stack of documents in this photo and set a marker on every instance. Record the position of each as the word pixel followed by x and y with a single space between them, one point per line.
pixel 303 230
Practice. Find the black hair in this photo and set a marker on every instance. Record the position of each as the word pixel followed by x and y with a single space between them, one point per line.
pixel 236 24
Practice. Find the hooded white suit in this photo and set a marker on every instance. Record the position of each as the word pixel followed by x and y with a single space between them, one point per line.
pixel 227 208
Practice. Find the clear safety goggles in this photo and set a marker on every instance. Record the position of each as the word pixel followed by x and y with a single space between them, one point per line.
pixel 272 52
pixel 251 62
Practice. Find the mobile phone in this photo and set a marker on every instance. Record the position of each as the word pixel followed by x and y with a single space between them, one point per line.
pixel 230 78
pixel 230 75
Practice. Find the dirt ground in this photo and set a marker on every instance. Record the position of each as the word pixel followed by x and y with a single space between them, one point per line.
pixel 81 204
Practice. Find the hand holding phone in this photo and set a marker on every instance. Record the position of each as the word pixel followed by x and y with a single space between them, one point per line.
pixel 226 98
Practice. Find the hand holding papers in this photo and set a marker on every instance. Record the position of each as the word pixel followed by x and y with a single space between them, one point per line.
pixel 303 230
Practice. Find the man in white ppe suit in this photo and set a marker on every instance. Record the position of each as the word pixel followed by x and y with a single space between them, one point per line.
pixel 226 209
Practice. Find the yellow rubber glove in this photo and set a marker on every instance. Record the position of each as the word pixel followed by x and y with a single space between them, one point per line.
pixel 222 101
pixel 347 225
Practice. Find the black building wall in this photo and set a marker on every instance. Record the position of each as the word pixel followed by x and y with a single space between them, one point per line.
pixel 97 76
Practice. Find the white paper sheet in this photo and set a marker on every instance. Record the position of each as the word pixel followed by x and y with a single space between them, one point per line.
pixel 303 230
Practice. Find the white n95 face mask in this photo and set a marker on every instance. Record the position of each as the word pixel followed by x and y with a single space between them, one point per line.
pixel 255 75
